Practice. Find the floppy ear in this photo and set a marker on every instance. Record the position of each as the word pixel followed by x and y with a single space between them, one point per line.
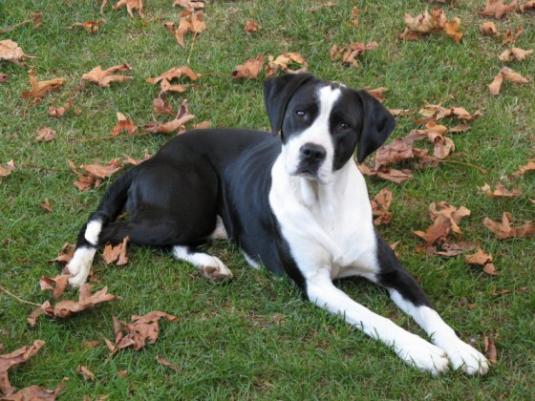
pixel 277 93
pixel 377 124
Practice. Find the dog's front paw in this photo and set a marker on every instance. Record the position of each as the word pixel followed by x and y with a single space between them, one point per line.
pixel 422 355
pixel 464 356
pixel 216 270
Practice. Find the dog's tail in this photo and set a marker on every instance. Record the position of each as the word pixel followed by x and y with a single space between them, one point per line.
pixel 110 207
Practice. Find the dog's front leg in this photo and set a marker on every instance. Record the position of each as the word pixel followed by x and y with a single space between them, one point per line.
pixel 410 298
pixel 411 348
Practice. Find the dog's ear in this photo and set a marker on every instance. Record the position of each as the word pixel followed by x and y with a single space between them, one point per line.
pixel 277 93
pixel 377 124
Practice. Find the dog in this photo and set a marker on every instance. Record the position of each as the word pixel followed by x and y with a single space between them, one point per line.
pixel 293 200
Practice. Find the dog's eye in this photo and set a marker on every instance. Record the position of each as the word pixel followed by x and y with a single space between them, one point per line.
pixel 300 113
pixel 342 125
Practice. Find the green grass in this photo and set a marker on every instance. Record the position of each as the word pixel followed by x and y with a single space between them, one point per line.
pixel 255 338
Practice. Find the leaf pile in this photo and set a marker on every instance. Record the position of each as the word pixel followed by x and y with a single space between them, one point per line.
pixel 426 23
pixel 8 361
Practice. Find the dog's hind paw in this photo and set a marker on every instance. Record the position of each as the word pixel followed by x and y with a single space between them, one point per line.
pixel 464 356
pixel 216 271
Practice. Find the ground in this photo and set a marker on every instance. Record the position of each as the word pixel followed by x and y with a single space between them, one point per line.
pixel 256 338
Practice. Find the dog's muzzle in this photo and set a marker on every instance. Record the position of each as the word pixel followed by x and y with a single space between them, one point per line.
pixel 311 156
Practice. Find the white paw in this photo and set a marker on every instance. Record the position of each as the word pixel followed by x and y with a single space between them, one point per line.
pixel 79 279
pixel 464 356
pixel 422 355
pixel 216 270
pixel 73 267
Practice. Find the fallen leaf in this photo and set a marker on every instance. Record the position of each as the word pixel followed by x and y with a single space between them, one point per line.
pixel 506 74
pixel 67 308
pixel 131 6
pixel 182 117
pixel 94 174
pixel 85 372
pixel 65 254
pixel 160 106
pixel 500 191
pixel 481 258
pixel 399 112
pixel 452 213
pixel 389 174
pixel 116 253
pixel 45 134
pixel 426 23
pixel 329 4
pixel 103 170
pixel 202 125
pixel 165 79
pixel 58 112
pixel 498 9
pixel 57 284
pixel 36 19
pixel 510 36
pixel 45 205
pixel 189 21
pixel 142 330
pixel 396 151
pixel 449 249
pixel 90 344
pixel 490 350
pixel 496 85
pixel 3 78
pixel 439 230
pixel 350 53
pixel 251 26
pixel 459 128
pixel 529 166
pixel 380 207
pixel 189 4
pixel 34 393
pixel 123 124
pixel 287 62
pixel 355 15
pixel 7 361
pixel 504 230
pixel 7 168
pixel 40 88
pixel 378 93
pixel 250 69
pixel 437 112
pixel 168 364
pixel 529 5
pixel 515 53
pixel 103 78
pixel 488 29
pixel 89 26
pixel 10 51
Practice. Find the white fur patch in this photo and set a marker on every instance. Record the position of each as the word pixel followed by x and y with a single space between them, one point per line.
pixel 92 231
pixel 80 265
pixel 250 261
pixel 210 266
pixel 219 232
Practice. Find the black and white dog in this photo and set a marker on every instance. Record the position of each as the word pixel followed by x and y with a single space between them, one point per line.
pixel 294 202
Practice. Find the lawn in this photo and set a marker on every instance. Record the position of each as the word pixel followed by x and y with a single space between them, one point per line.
pixel 256 338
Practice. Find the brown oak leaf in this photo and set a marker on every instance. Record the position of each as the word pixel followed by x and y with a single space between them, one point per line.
pixel 378 93
pixel 251 26
pixel 380 207
pixel 104 78
pixel 34 393
pixel 10 51
pixel 250 69
pixel 8 361
pixel 203 125
pixel 131 6
pixel 123 124
pixel 116 253
pixel 348 54
pixel 388 174
pixel 437 112
pixel 178 124
pixel 481 258
pixel 165 79
pixel 94 173
pixel 189 21
pixel 65 254
pixel 504 229
pixel 510 36
pixel 89 26
pixel 488 29
pixel 498 9
pixel 505 74
pixel 85 372
pixel 514 53
pixel 7 168
pixel 57 284
pixel 40 88
pixel 529 166
pixel 189 4
pixel 287 62
pixel 140 331
pixel 160 106
pixel 426 23
pixel 500 191
pixel 490 350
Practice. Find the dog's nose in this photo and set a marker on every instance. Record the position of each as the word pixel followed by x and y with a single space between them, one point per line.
pixel 312 152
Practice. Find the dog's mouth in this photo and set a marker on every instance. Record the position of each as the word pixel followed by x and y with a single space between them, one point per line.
pixel 308 172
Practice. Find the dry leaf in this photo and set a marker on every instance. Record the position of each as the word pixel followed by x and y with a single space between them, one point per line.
pixel 103 170
pixel 504 230
pixel 40 88
pixel 142 330
pixel 510 36
pixel 7 168
pixel 250 69
pixel 189 21
pixel 160 106
pixel 251 26
pixel 116 253
pixel 66 308
pixel 500 191
pixel 174 73
pixel 389 174
pixel 135 162
pixel 90 344
pixel 45 134
pixel 436 112
pixel 65 254
pixel 89 26
pixel 481 258
pixel 103 78
pixel 7 361
pixel 123 124
pixel 3 78
pixel 452 213
pixel 319 7
pixel 496 85
pixel 350 53
pixel 449 249
pixel 287 62
pixel 45 205
pixel 381 205
pixel 488 29
pixel 202 125
pixel 57 285
pixel 529 5
pixel 34 393
pixel 490 350
pixel 10 51
pixel 506 74
pixel 131 6
pixel 515 53
pixel 85 372
pixel 399 112
pixel 189 4
pixel 426 23
pixel 378 93
pixel 182 117
pixel 355 15
pixel 498 9
pixel 95 173
pixel 60 111
pixel 529 166
pixel 439 230
pixel 167 363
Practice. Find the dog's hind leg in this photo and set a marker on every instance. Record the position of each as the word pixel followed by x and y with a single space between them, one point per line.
pixel 209 266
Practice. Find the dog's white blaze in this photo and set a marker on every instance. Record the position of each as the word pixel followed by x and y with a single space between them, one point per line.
pixel 318 133
pixel 92 231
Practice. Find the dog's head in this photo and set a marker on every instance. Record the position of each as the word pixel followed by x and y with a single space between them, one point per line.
pixel 322 123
